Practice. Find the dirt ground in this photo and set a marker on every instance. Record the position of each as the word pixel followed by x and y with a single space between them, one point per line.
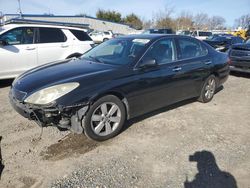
pixel 152 151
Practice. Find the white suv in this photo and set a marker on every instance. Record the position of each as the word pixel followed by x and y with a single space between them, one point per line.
pixel 101 36
pixel 201 35
pixel 24 46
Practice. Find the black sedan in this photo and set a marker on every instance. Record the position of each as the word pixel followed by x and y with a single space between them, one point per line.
pixel 223 43
pixel 120 79
pixel 240 57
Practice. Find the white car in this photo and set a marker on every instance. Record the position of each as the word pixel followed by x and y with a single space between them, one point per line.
pixel 101 36
pixel 25 46
pixel 201 35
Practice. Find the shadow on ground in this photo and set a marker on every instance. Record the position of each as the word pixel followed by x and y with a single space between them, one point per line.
pixel 209 174
pixel 240 74
pixel 162 110
pixel 1 160
pixel 5 83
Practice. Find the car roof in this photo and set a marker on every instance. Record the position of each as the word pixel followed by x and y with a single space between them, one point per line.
pixel 149 36
pixel 12 26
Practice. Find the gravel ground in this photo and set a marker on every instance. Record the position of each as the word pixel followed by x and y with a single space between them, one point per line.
pixel 152 151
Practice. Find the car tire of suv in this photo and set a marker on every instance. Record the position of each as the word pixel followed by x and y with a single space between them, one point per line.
pixel 105 39
pixel 105 118
pixel 208 89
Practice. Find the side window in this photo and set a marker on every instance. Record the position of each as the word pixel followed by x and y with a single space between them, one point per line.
pixel 162 51
pixel 80 35
pixel 22 35
pixel 189 48
pixel 51 35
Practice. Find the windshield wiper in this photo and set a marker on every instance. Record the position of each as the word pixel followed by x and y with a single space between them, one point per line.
pixel 96 59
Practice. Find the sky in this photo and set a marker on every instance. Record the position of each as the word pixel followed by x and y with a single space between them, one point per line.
pixel 229 9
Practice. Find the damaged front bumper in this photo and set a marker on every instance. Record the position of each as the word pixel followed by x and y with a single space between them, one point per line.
pixel 66 117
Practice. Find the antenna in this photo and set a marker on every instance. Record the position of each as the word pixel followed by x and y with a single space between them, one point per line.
pixel 19 9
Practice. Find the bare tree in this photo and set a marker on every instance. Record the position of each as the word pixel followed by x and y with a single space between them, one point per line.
pixel 163 19
pixel 184 21
pixel 147 24
pixel 201 21
pixel 243 21
pixel 216 22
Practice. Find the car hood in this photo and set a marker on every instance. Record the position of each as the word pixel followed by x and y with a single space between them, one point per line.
pixel 243 46
pixel 59 72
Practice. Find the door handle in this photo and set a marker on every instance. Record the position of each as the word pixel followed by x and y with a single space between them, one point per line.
pixel 64 45
pixel 30 48
pixel 176 69
pixel 207 62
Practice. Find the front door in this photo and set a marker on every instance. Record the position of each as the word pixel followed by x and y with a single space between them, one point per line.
pixel 157 86
pixel 19 53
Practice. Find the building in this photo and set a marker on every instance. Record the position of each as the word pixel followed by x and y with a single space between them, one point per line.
pixel 94 23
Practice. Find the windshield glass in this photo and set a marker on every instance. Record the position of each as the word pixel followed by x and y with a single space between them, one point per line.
pixel 117 51
pixel 248 41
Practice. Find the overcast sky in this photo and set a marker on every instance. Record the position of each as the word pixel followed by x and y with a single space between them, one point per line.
pixel 229 9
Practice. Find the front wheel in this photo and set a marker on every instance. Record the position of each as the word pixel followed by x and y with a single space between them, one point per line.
pixel 208 89
pixel 105 118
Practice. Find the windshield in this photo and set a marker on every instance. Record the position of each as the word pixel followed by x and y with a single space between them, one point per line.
pixel 248 41
pixel 117 51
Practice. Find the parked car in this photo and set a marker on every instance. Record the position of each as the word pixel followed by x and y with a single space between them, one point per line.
pixel 223 43
pixel 117 35
pixel 158 31
pixel 201 35
pixel 184 32
pixel 25 46
pixel 118 80
pixel 240 57
pixel 101 36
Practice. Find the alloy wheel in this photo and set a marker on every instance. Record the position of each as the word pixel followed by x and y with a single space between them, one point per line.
pixel 105 118
pixel 210 88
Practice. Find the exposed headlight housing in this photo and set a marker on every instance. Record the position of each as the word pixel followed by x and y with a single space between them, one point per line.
pixel 49 94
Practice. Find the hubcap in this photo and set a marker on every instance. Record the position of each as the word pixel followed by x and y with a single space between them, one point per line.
pixel 105 119
pixel 210 88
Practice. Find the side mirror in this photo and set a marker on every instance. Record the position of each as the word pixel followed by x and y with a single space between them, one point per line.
pixel 147 63
pixel 3 43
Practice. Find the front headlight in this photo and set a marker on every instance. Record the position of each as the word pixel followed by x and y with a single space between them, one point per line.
pixel 49 94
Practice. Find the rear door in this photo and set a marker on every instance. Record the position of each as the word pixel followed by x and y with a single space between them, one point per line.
pixel 81 41
pixel 20 52
pixel 52 45
pixel 194 65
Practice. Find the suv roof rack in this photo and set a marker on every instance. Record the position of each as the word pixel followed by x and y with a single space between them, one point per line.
pixel 27 21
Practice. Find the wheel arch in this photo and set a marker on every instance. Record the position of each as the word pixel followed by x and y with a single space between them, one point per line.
pixel 117 94
pixel 73 55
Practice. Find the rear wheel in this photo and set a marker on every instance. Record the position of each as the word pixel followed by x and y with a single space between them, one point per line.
pixel 105 118
pixel 105 39
pixel 208 89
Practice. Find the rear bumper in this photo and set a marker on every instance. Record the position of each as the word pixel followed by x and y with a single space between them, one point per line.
pixel 240 65
pixel 240 69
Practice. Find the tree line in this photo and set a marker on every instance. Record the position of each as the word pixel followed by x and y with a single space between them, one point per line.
pixel 165 19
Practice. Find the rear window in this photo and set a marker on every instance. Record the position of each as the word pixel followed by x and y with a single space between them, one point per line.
pixel 51 35
pixel 204 34
pixel 190 49
pixel 80 35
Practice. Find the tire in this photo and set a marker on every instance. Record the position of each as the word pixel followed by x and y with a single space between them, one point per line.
pixel 208 89
pixel 104 119
pixel 105 39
